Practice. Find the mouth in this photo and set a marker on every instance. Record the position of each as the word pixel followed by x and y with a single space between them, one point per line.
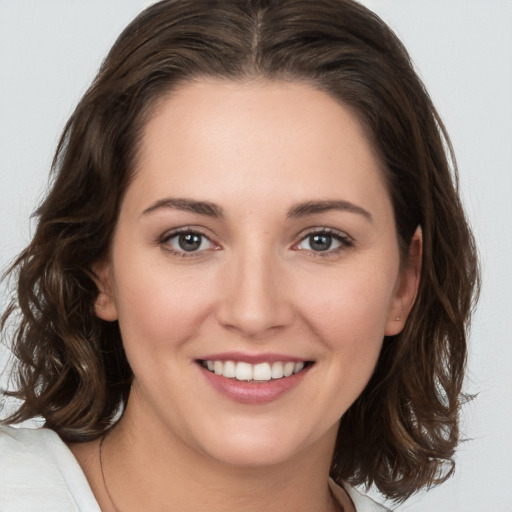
pixel 254 373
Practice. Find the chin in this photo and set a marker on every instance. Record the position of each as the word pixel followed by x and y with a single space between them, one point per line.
pixel 260 447
pixel 253 454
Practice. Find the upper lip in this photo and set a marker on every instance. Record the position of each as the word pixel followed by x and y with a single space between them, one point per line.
pixel 252 358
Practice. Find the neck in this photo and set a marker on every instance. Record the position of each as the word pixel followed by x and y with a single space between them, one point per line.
pixel 146 466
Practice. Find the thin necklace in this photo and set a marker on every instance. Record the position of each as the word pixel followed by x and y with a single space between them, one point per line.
pixel 103 474
pixel 337 505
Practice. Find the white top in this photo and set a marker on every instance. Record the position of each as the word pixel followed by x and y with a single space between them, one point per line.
pixel 39 473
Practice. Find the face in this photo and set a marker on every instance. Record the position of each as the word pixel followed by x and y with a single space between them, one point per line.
pixel 254 270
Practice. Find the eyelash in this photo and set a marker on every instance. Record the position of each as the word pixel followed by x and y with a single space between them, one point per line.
pixel 343 239
pixel 167 237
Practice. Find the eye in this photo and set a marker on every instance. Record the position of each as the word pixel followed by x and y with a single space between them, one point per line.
pixel 325 241
pixel 188 241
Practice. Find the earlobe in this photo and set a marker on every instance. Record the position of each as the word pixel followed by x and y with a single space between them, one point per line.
pixel 104 305
pixel 407 286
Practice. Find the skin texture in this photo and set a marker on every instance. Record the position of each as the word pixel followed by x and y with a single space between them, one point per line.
pixel 256 151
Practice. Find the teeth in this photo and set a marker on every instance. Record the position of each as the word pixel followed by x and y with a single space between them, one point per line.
pixel 288 369
pixel 261 372
pixel 218 367
pixel 258 372
pixel 298 367
pixel 243 371
pixel 277 371
pixel 229 370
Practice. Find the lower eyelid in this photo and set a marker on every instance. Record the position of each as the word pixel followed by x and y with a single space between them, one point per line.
pixel 343 239
pixel 345 242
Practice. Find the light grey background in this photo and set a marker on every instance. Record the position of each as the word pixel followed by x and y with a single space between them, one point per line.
pixel 51 49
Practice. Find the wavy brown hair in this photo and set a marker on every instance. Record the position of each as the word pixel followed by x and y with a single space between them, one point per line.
pixel 71 369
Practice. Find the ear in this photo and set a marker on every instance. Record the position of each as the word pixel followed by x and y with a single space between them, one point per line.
pixel 406 286
pixel 104 305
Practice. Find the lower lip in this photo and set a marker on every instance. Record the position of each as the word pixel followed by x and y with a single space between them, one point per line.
pixel 254 392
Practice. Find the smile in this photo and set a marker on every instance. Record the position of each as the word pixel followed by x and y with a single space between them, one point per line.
pixel 247 372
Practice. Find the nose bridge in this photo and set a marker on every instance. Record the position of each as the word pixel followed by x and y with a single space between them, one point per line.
pixel 255 301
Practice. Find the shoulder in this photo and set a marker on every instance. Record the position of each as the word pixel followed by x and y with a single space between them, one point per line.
pixel 361 502
pixel 38 470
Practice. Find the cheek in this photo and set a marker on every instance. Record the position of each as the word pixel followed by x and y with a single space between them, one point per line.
pixel 355 305
pixel 349 319
pixel 158 306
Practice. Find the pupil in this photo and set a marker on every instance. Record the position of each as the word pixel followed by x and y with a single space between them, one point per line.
pixel 189 242
pixel 320 242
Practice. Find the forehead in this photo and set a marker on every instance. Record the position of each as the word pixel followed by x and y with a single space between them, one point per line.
pixel 247 139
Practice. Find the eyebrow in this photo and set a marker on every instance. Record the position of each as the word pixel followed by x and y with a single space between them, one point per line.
pixel 312 207
pixel 189 205
pixel 299 210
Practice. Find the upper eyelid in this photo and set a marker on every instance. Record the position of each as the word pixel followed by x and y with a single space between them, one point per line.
pixel 165 238
pixel 298 238
pixel 185 229
pixel 330 231
pixel 345 240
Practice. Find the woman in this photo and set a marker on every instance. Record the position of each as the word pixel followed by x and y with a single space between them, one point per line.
pixel 252 273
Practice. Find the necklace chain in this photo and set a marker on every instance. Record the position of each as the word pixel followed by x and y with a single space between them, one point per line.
pixel 103 474
pixel 337 505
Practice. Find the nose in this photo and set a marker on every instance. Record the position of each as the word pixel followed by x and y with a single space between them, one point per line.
pixel 254 299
